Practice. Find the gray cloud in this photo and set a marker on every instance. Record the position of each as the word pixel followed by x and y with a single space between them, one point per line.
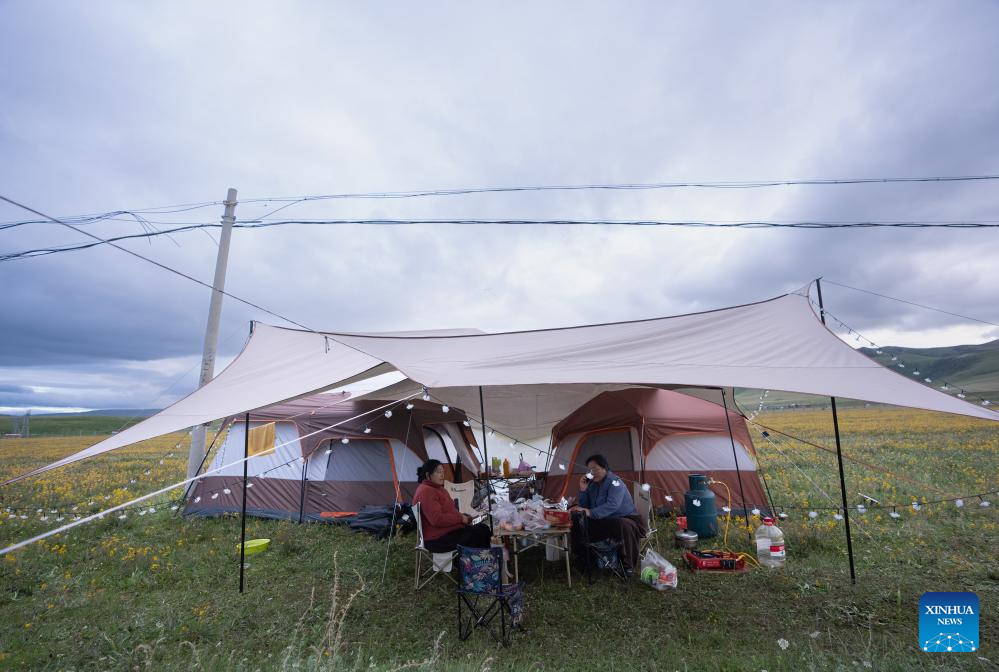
pixel 117 106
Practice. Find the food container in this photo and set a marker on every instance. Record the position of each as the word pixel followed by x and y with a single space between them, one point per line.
pixel 558 518
pixel 685 538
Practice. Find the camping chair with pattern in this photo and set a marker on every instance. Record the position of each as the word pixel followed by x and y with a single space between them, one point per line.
pixel 462 494
pixel 643 502
pixel 439 563
pixel 482 595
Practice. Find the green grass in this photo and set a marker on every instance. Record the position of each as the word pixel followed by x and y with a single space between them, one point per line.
pixel 160 592
pixel 71 425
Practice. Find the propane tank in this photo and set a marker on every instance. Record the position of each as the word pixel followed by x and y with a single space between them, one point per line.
pixel 699 507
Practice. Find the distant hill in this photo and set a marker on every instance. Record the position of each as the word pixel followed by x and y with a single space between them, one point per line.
pixel 105 412
pixel 974 368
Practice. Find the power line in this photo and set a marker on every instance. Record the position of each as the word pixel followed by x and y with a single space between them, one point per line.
pixel 156 263
pixel 697 184
pixel 259 224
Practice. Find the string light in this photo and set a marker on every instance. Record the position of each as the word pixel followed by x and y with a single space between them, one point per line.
pixel 345 440
pixel 838 516
pixel 895 514
pixel 916 506
pixel 959 503
pixel 426 394
pixel 410 406
pixel 367 430
pixel 445 408
pixel 466 423
pixel 646 487
pixel 813 514
pixel 226 491
pixel 755 511
pixel 388 413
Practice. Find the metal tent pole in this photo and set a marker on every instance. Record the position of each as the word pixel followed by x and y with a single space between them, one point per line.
pixel 485 453
pixel 735 457
pixel 242 517
pixel 839 457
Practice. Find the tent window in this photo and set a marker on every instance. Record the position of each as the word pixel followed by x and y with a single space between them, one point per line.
pixel 614 445
pixel 360 460
pixel 436 449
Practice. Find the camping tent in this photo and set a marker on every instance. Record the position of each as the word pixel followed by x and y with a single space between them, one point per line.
pixel 656 437
pixel 304 471
pixel 530 380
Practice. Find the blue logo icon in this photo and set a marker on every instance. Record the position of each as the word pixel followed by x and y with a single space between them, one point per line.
pixel 948 622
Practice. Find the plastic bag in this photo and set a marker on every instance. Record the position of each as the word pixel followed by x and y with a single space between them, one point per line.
pixel 532 514
pixel 657 571
pixel 505 514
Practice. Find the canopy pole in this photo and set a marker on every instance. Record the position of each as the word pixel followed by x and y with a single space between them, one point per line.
pixel 485 453
pixel 738 472
pixel 839 457
pixel 242 516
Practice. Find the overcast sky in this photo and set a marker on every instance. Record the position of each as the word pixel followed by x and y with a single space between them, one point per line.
pixel 123 106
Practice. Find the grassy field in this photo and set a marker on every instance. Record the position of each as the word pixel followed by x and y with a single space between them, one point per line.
pixel 69 425
pixel 157 592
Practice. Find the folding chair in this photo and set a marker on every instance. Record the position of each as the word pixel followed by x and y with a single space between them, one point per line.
pixel 482 595
pixel 599 556
pixel 462 494
pixel 643 502
pixel 439 563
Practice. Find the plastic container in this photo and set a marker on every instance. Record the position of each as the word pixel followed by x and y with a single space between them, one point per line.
pixel 770 544
pixel 506 468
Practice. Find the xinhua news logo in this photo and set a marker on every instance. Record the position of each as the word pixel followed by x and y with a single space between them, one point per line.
pixel 948 622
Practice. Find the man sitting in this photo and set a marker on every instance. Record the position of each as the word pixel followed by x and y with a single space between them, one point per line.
pixel 610 511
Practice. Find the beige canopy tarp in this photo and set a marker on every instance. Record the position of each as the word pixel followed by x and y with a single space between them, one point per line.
pixel 533 379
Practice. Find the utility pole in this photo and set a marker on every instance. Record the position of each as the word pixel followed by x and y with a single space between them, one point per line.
pixel 196 456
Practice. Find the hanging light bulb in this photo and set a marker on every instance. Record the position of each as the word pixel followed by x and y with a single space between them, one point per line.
pixel 215 495
pixel 959 503
pixel 329 450
pixel 345 440
pixel 895 514
pixel 985 504
pixel 466 423
pixel 646 487
pixel 147 472
pixel 197 499
pixel 668 498
pixel 782 515
pixel 901 365
pixel 227 491
pixel 142 513
pixel 894 358
pixel 838 516
pixel 445 408
pixel 410 406
pixel 861 508
pixel 916 506
pixel 928 380
pixel 985 402
pixel 492 432
pixel 388 413
pixel 944 387
pixel 916 372
pixel 961 395
pixel 878 352
pixel 152 509
pixel 426 394
pixel 755 511
pixel 367 430
pixel 248 486
pixel 124 516
pixel 727 509
pixel 175 506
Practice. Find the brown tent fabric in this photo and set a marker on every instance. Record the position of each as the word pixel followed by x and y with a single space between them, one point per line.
pixel 661 422
pixel 312 475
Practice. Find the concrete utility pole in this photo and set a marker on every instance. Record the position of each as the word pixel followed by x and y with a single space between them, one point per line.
pixel 197 454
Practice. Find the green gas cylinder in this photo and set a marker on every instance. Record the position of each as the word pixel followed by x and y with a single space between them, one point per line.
pixel 699 506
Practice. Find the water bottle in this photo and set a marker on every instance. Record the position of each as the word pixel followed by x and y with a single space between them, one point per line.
pixel 770 544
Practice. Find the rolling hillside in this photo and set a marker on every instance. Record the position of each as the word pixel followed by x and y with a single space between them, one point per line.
pixel 973 368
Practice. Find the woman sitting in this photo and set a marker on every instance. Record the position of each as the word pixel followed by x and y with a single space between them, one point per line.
pixel 444 527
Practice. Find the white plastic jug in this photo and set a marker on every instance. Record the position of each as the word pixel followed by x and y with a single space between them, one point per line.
pixel 770 544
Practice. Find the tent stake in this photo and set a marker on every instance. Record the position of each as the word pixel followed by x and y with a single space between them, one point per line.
pixel 738 472
pixel 242 517
pixel 839 458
